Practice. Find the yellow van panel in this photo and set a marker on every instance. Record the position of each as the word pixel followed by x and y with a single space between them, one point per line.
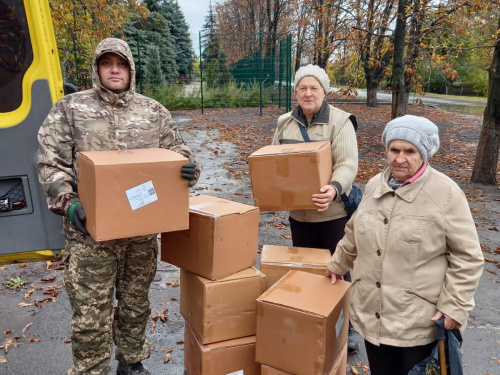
pixel 32 256
pixel 45 63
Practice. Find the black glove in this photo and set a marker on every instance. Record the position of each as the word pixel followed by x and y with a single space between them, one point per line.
pixel 77 217
pixel 188 172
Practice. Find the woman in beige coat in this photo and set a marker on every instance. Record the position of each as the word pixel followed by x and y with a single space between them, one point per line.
pixel 414 251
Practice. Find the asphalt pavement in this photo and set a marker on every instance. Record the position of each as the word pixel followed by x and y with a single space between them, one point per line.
pixel 454 104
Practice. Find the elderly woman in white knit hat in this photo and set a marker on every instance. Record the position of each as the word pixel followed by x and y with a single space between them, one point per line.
pixel 415 252
pixel 315 120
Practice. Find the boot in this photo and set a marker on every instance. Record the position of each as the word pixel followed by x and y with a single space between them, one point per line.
pixel 132 369
pixel 352 340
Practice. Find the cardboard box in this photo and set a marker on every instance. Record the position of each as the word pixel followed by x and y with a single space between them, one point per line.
pixel 284 177
pixel 339 367
pixel 302 323
pixel 132 192
pixel 224 309
pixel 220 358
pixel 276 261
pixel 221 240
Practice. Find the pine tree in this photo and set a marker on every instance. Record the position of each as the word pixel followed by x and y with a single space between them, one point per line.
pixel 210 45
pixel 223 76
pixel 179 30
pixel 210 41
pixel 153 31
pixel 154 76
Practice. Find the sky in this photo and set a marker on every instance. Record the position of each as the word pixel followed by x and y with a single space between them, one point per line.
pixel 195 12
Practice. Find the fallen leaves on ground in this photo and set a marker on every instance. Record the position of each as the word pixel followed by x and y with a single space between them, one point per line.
pixel 48 279
pixel 9 342
pixel 15 282
pixel 28 294
pixel 161 315
pixel 52 290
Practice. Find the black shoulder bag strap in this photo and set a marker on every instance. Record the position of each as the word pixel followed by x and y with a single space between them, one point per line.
pixel 304 133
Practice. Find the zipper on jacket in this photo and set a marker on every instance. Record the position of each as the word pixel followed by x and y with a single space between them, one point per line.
pixel 355 281
pixel 419 296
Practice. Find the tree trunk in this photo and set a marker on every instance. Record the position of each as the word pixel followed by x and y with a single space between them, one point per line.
pixel 485 164
pixel 298 56
pixel 371 90
pixel 399 102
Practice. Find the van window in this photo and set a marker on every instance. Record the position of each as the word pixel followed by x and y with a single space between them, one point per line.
pixel 16 53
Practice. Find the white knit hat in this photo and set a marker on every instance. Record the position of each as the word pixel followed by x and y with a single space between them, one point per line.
pixel 313 71
pixel 419 131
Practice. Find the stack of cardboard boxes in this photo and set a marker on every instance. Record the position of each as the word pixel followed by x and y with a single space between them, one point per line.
pixel 219 286
pixel 287 319
pixel 302 320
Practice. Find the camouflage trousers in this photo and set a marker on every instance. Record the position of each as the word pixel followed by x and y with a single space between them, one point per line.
pixel 93 275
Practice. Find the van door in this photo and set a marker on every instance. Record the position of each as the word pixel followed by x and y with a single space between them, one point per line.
pixel 30 83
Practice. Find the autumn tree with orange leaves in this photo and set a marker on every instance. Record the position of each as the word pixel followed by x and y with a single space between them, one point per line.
pixel 244 24
pixel 79 25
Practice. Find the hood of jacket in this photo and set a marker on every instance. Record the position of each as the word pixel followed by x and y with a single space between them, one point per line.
pixel 119 47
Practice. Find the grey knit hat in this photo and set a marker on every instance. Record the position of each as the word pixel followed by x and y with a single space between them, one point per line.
pixel 419 131
pixel 313 71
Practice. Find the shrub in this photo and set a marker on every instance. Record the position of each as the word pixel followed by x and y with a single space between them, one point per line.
pixel 175 96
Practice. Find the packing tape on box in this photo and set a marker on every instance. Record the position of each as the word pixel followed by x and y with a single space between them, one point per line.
pixel 282 167
pixel 297 258
pixel 277 265
pixel 201 206
pixel 290 288
pixel 313 160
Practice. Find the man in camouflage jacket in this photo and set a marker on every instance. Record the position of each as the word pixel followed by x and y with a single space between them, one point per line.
pixel 110 116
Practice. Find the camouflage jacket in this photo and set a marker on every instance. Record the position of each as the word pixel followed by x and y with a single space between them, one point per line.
pixel 95 120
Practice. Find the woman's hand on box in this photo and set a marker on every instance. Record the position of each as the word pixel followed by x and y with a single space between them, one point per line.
pixel 326 196
pixel 333 277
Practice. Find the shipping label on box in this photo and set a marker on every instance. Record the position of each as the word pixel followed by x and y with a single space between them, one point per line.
pixel 132 193
pixel 296 323
pixel 284 177
pixel 219 358
pixel 276 261
pixel 221 240
pixel 224 309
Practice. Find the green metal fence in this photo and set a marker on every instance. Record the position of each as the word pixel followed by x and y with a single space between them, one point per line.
pixel 243 76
